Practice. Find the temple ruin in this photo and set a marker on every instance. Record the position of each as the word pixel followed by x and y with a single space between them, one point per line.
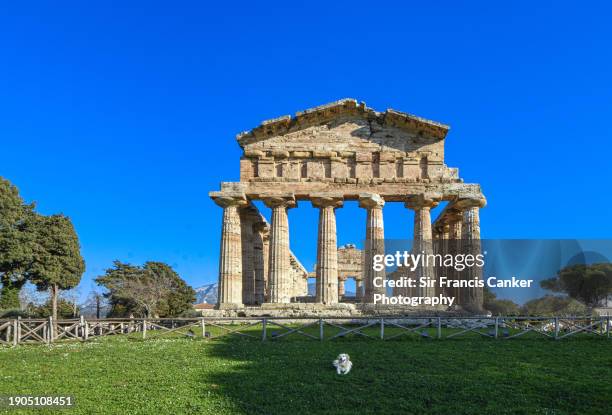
pixel 327 155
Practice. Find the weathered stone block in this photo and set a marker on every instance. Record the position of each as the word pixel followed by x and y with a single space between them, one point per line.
pixel 265 168
pixel 301 154
pixel 291 170
pixel 364 170
pixel 323 154
pixel 386 169
pixel 338 167
pixel 254 153
pixel 247 169
pixel 363 157
pixel 411 169
pixel 280 153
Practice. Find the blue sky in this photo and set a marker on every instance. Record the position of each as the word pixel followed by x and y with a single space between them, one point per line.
pixel 124 116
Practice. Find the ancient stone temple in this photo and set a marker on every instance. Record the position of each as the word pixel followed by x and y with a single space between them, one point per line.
pixel 343 151
pixel 350 265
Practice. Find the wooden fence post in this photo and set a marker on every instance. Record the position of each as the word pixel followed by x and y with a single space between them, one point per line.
pixel 496 327
pixel 144 328
pixel 203 323
pixel 556 328
pixel 264 329
pixel 84 328
pixel 608 326
pixel 15 332
pixel 50 330
pixel 321 329
pixel 18 329
pixel 439 328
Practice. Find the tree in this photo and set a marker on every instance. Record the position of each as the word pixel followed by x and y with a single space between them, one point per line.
pixel 57 264
pixel 497 306
pixel 553 305
pixel 71 297
pixel 152 290
pixel 589 284
pixel 17 238
pixel 30 298
pixel 95 305
pixel 64 309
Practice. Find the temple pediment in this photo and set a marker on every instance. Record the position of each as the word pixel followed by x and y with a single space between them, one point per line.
pixel 345 140
pixel 338 112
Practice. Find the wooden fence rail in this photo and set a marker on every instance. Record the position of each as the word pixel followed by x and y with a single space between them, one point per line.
pixel 47 331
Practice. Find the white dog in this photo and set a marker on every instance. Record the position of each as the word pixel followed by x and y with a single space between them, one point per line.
pixel 343 364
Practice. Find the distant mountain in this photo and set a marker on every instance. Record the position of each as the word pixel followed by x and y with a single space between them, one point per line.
pixel 207 294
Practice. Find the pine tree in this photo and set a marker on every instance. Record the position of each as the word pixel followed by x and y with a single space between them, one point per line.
pixel 57 264
pixel 17 241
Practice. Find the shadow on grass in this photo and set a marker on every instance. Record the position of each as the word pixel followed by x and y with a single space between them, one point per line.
pixel 415 375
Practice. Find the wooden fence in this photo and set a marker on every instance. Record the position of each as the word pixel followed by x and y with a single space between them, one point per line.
pixel 46 331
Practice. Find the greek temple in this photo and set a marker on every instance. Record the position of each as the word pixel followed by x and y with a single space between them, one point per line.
pixel 343 151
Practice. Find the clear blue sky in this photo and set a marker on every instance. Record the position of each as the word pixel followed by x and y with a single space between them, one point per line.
pixel 124 117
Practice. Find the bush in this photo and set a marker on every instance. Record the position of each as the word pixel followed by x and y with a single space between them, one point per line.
pixel 14 313
pixel 554 305
pixel 499 307
pixel 191 314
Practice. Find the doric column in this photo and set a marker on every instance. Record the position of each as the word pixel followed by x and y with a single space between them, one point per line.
pixel 266 259
pixel 374 244
pixel 422 204
pixel 279 272
pixel 340 289
pixel 470 230
pixel 260 232
pixel 248 215
pixel 230 258
pixel 442 249
pixel 327 248
pixel 454 247
pixel 358 289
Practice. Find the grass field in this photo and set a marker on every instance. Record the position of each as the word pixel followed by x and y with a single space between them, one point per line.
pixel 235 376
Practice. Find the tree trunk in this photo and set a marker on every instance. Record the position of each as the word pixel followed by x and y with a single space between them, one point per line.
pixel 97 307
pixel 54 301
pixel 54 290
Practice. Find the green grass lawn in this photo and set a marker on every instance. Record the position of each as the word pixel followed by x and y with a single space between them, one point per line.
pixel 294 375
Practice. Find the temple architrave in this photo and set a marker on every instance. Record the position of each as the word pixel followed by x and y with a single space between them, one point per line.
pixel 343 151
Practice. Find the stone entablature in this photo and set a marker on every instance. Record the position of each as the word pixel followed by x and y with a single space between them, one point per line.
pixel 328 155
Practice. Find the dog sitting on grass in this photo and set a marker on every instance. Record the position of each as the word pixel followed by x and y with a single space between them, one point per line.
pixel 343 364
